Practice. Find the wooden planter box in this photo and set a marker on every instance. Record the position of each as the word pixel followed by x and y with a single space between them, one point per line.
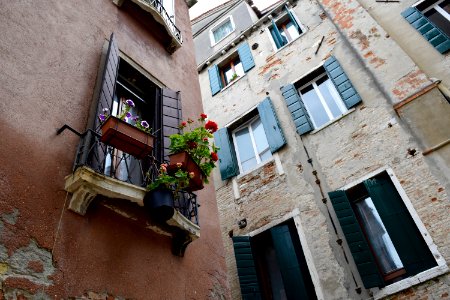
pixel 126 137
pixel 189 165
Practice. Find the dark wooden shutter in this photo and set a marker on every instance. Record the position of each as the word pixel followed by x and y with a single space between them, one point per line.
pixel 294 283
pixel 364 260
pixel 227 157
pixel 277 38
pixel 411 247
pixel 293 20
pixel 427 29
pixel 297 108
pixel 171 117
pixel 246 57
pixel 343 84
pixel 215 82
pixel 275 136
pixel 108 84
pixel 246 268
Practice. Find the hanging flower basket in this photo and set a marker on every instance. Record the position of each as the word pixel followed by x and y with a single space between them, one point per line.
pixel 184 161
pixel 126 137
pixel 160 203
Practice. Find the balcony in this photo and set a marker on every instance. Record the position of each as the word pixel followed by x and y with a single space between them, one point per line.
pixel 119 180
pixel 157 10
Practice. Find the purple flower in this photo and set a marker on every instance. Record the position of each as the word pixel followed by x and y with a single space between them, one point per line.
pixel 128 115
pixel 105 110
pixel 102 117
pixel 135 118
pixel 130 103
pixel 144 124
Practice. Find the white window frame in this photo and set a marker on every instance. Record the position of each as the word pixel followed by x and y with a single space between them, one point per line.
pixel 223 21
pixel 436 7
pixel 408 282
pixel 274 46
pixel 252 138
pixel 334 93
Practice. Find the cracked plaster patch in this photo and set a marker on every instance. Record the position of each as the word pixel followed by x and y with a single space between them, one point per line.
pixel 11 218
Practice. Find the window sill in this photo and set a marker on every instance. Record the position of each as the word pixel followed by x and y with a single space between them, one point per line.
pixel 411 281
pixel 233 82
pixel 85 184
pixel 333 121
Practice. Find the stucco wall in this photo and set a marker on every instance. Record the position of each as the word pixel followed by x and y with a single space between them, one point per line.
pixel 50 54
pixel 368 138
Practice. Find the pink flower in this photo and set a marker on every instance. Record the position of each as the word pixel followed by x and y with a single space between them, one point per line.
pixel 183 124
pixel 179 165
pixel 191 174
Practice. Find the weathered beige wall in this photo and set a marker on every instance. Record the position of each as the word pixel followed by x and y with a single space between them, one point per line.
pixel 370 137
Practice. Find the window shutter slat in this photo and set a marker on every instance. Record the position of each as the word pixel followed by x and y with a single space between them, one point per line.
pixel 293 20
pixel 276 35
pixel 343 84
pixel 214 79
pixel 272 128
pixel 437 38
pixel 364 260
pixel 227 157
pixel 245 263
pixel 412 249
pixel 245 55
pixel 293 280
pixel 108 85
pixel 171 117
pixel 297 108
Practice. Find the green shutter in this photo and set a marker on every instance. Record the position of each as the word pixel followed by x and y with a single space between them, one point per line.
pixel 297 109
pixel 294 283
pixel 246 268
pixel 245 55
pixel 411 247
pixel 343 84
pixel 362 255
pixel 278 39
pixel 293 20
pixel 427 29
pixel 275 136
pixel 227 157
pixel 214 79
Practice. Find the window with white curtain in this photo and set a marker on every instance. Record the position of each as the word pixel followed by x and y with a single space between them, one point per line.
pixel 222 30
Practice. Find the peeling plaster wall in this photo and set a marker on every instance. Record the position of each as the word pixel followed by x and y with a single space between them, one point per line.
pixel 370 137
pixel 50 55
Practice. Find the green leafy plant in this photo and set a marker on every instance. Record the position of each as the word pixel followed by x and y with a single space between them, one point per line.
pixel 196 141
pixel 176 182
pixel 234 77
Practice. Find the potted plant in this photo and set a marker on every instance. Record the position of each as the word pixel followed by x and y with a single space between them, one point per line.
pixel 192 151
pixel 136 140
pixel 163 190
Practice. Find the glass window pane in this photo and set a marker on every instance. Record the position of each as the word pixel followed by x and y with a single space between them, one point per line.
pixel 292 30
pixel 223 30
pixel 266 155
pixel 439 20
pixel 324 88
pixel 314 106
pixel 283 35
pixel 380 241
pixel 445 6
pixel 228 73
pixel 245 148
pixel 239 69
pixel 259 136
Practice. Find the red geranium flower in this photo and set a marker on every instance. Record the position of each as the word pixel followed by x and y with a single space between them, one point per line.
pixel 183 124
pixel 203 116
pixel 214 156
pixel 211 126
pixel 192 144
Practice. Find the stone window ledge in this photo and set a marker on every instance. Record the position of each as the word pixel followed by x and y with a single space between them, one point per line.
pixel 85 184
pixel 411 281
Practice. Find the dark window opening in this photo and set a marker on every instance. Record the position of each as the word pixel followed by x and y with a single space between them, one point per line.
pixel 438 12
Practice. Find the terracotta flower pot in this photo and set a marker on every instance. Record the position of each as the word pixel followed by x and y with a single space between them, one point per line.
pixel 126 137
pixel 188 165
pixel 159 203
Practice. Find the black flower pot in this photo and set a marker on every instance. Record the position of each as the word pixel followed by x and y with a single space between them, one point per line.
pixel 159 203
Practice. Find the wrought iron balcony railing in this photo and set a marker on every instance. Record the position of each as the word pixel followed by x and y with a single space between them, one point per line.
pixel 110 162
